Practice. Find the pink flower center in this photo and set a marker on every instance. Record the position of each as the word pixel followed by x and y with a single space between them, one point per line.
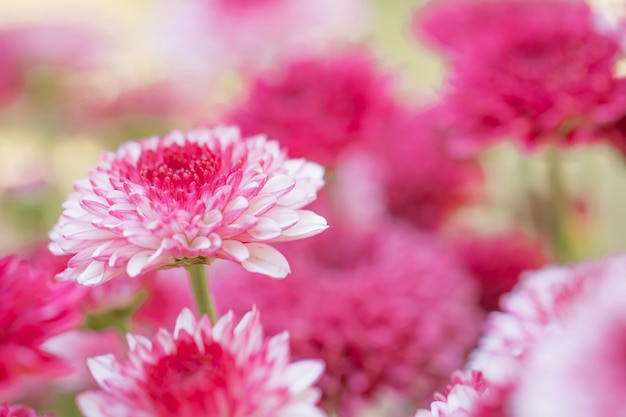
pixel 190 383
pixel 179 170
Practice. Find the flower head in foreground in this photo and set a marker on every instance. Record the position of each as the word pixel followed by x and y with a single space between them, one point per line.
pixel 318 107
pixel 583 363
pixel 33 308
pixel 18 411
pixel 185 199
pixel 537 70
pixel 403 314
pixel 226 369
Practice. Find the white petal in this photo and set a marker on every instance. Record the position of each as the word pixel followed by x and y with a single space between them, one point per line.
pixel 138 262
pixel 266 260
pixel 310 224
pixel 185 321
pixel 302 374
pixel 236 249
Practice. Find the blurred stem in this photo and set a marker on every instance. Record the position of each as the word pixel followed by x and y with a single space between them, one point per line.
pixel 201 292
pixel 557 222
pixel 531 215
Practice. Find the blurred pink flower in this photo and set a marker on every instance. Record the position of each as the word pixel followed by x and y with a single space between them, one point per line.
pixel 228 369
pixel 537 70
pixel 535 309
pixel 422 182
pixel 187 198
pixel 33 308
pixel 208 33
pixel 319 106
pixel 497 260
pixel 384 308
pixel 26 47
pixel 580 371
pixel 18 411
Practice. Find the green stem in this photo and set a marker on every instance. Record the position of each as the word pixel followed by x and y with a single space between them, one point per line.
pixel 201 292
pixel 558 208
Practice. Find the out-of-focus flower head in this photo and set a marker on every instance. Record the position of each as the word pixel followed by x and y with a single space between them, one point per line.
pixel 319 106
pixel 580 371
pixel 57 45
pixel 226 369
pixel 539 71
pixel 33 308
pixel 383 307
pixel 18 411
pixel 209 34
pixel 497 260
pixel 533 310
pixel 422 182
pixel 187 198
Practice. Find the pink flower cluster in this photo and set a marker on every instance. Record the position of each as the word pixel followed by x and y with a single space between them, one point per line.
pixel 386 309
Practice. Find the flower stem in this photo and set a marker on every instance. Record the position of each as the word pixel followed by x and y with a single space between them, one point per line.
pixel 201 292
pixel 559 209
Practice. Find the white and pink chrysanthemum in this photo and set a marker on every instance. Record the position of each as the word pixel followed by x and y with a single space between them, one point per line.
pixel 186 199
pixel 226 369
pixel 583 362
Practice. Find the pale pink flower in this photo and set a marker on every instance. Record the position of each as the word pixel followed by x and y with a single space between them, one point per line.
pixel 460 398
pixel 187 198
pixel 209 35
pixel 385 308
pixel 18 411
pixel 33 308
pixel 535 309
pixel 226 369
pixel 580 371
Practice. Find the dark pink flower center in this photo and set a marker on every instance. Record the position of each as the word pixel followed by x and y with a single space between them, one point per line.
pixel 177 169
pixel 189 382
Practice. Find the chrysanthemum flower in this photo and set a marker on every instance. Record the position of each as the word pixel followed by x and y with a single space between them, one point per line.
pixel 186 199
pixel 535 309
pixel 33 308
pixel 497 260
pixel 537 70
pixel 385 309
pixel 580 371
pixel 18 411
pixel 319 106
pixel 226 369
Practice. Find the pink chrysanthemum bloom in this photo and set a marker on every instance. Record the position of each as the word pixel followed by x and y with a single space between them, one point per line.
pixel 403 314
pixel 497 260
pixel 33 308
pixel 187 199
pixel 318 107
pixel 580 370
pixel 18 411
pixel 537 70
pixel 535 309
pixel 226 369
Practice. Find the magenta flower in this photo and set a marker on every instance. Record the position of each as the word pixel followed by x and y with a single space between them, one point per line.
pixel 33 308
pixel 318 107
pixel 537 70
pixel 18 411
pixel 497 260
pixel 385 309
pixel 186 199
pixel 226 369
